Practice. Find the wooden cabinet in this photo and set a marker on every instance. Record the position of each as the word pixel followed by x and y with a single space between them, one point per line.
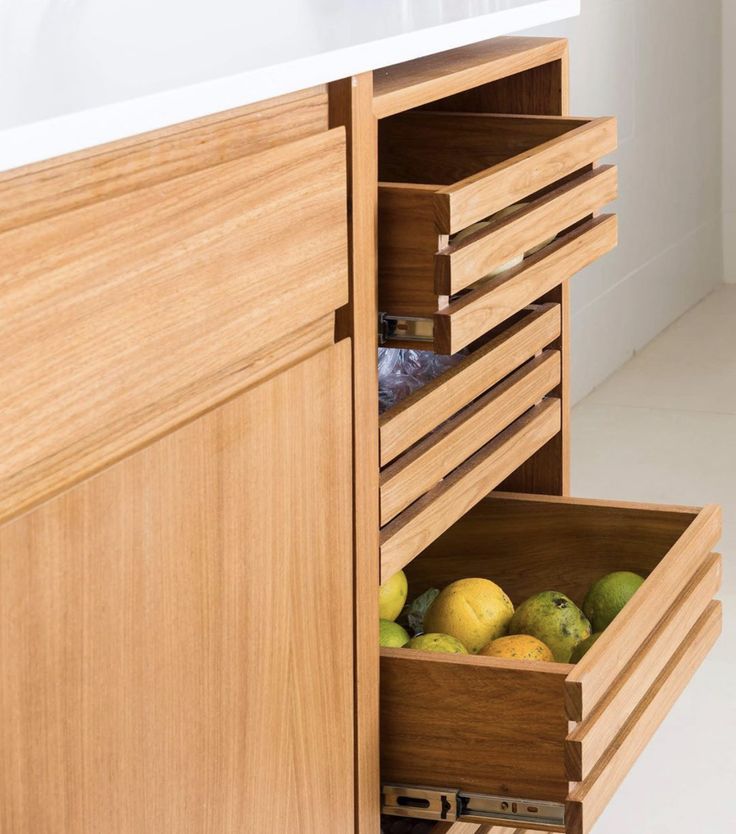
pixel 489 201
pixel 198 497
pixel 175 632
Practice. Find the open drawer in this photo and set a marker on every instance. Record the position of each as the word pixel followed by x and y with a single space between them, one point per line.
pixel 545 745
pixel 480 215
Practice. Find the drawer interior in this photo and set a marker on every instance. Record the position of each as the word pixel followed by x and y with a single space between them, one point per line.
pixel 439 149
pixel 495 728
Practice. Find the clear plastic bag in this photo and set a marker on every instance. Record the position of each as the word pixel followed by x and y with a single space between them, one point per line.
pixel 403 371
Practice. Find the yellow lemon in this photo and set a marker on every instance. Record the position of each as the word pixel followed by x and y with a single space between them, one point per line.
pixel 518 647
pixel 437 643
pixel 392 596
pixel 473 611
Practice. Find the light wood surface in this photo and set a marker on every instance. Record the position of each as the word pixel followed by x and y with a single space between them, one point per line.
pixel 158 673
pixel 475 723
pixel 121 318
pixel 621 641
pixel 456 828
pixel 480 163
pixel 528 544
pixel 350 105
pixel 426 409
pixel 542 90
pixel 474 313
pixel 456 267
pixel 588 800
pixel 441 172
pixel 548 471
pixel 414 83
pixel 48 188
pixel 416 528
pixel 426 463
pixel 465 202
pixel 590 739
pixel 427 147
pixel 408 240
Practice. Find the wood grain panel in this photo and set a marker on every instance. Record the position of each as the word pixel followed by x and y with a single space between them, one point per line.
pixel 408 534
pixel 163 665
pixel 621 641
pixel 465 202
pixel 497 728
pixel 128 316
pixel 590 739
pixel 407 243
pixel 588 800
pixel 44 189
pixel 414 83
pixel 456 267
pixel 493 301
pixel 417 415
pixel 351 105
pixel 436 456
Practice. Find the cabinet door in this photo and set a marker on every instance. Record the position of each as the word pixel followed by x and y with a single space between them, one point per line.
pixel 176 631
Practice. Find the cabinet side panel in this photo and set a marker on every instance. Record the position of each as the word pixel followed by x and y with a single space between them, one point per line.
pixel 351 105
pixel 174 631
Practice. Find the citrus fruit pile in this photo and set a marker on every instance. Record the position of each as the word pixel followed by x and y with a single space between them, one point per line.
pixel 475 616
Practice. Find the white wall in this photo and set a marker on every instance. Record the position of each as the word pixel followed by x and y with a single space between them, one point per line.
pixel 656 64
pixel 729 140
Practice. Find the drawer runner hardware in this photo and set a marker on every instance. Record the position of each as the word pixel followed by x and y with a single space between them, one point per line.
pixel 456 806
pixel 404 328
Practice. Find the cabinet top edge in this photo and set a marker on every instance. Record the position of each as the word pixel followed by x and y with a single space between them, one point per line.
pixel 95 74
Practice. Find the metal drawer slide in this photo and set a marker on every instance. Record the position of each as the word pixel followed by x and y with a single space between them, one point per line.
pixel 456 806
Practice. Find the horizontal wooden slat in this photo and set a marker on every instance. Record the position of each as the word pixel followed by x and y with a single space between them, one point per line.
pixel 481 309
pixel 459 266
pixel 423 411
pixel 594 675
pixel 465 202
pixel 407 535
pixel 125 317
pixel 474 723
pixel 428 462
pixel 413 83
pixel 588 800
pixel 590 739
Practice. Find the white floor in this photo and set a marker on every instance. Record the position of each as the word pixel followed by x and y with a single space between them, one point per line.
pixel 663 428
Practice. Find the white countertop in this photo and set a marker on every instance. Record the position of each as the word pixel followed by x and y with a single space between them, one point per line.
pixel 77 73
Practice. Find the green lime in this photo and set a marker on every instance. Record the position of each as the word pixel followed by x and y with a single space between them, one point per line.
pixel 579 652
pixel 608 596
pixel 392 635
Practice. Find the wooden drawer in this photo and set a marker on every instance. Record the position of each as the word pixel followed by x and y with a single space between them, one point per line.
pixel 442 173
pixel 553 741
pixel 126 315
pixel 444 423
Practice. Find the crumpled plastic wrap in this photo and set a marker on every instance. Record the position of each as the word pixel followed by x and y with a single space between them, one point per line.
pixel 402 371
